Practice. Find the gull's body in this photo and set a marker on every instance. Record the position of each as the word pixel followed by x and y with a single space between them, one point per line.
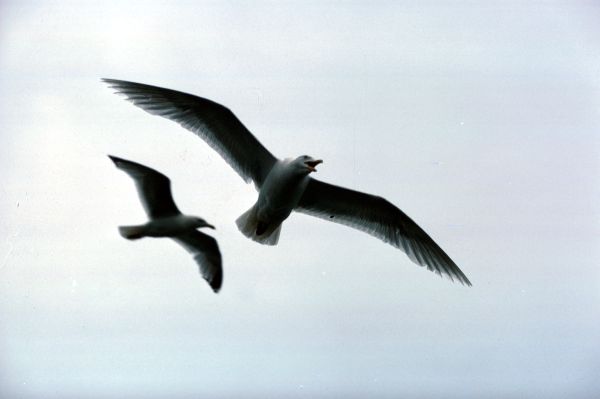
pixel 278 196
pixel 284 185
pixel 154 190
pixel 165 226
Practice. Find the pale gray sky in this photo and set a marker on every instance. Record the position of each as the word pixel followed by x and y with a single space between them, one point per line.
pixel 478 119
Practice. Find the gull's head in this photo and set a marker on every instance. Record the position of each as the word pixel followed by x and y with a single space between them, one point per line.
pixel 199 222
pixel 307 163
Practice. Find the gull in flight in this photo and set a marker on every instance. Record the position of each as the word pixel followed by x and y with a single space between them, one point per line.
pixel 285 185
pixel 166 220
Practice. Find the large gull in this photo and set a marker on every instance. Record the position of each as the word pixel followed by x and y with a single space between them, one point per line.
pixel 285 185
pixel 166 220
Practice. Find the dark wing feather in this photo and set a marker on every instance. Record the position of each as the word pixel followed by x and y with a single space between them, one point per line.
pixel 212 122
pixel 154 188
pixel 380 218
pixel 205 251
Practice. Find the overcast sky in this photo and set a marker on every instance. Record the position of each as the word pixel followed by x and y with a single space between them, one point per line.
pixel 479 120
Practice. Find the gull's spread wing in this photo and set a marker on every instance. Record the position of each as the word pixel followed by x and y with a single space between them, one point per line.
pixel 378 217
pixel 154 188
pixel 205 251
pixel 212 122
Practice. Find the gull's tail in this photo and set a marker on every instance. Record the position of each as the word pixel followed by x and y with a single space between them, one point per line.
pixel 252 228
pixel 132 232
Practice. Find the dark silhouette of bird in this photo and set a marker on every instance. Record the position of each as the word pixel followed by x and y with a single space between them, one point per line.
pixel 285 185
pixel 154 190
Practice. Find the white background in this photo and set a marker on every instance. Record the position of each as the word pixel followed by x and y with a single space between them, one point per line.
pixel 479 119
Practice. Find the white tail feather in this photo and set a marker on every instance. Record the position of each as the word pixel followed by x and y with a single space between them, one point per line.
pixel 248 223
pixel 131 232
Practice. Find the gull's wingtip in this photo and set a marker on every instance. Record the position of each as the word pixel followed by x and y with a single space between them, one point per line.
pixel 455 276
pixel 119 82
pixel 115 159
pixel 119 162
pixel 464 280
pixel 114 83
pixel 109 80
pixel 215 285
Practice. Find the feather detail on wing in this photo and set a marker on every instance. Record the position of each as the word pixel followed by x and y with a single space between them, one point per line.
pixel 379 218
pixel 154 188
pixel 205 251
pixel 212 122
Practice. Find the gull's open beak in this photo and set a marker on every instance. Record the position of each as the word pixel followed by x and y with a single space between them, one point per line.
pixel 312 164
pixel 210 226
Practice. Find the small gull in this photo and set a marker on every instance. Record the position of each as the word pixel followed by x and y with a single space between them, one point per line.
pixel 166 220
pixel 285 185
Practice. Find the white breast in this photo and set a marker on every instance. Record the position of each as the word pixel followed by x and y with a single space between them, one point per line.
pixel 281 190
